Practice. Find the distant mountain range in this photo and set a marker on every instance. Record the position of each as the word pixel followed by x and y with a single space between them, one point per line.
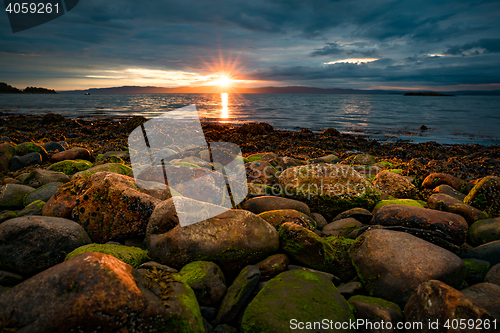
pixel 262 90
pixel 8 89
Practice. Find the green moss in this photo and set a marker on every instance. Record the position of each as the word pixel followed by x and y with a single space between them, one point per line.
pixel 386 164
pixel 186 164
pixel 188 299
pixel 70 167
pixel 133 256
pixel 109 167
pixel 193 272
pixel 406 202
pixel 474 267
pixel 101 159
pixel 255 157
pixel 378 302
pixel 396 170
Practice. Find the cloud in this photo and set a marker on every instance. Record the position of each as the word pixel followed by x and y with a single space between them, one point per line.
pixel 490 45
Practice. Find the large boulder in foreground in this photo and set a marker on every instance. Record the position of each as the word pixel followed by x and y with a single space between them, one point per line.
pixel 95 292
pixel 281 304
pixel 31 244
pixel 392 264
pixel 233 239
pixel 328 188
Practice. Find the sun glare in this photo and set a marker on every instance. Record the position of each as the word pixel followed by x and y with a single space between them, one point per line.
pixel 223 81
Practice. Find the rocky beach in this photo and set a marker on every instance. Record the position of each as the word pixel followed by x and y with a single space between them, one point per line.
pixel 338 233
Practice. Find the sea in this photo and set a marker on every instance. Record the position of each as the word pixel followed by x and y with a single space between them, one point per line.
pixel 459 119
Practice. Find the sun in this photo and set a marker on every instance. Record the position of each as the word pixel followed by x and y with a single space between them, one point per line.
pixel 223 81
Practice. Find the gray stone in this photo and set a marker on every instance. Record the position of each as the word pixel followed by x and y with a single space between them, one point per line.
pixel 489 252
pixel 342 227
pixel 486 295
pixel 493 275
pixel 40 177
pixel 43 193
pixel 375 309
pixel 12 196
pixel 19 162
pixel 360 214
pixel 34 208
pixel 268 203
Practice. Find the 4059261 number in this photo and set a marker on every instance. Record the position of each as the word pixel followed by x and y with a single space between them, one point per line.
pixel 32 8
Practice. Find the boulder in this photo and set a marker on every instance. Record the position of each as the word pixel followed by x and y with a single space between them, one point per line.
pixel 272 266
pixel 109 167
pixel 476 270
pixel 19 162
pixel 256 129
pixel 362 159
pixel 395 185
pixel 484 231
pixel 31 244
pixel 74 295
pixel 447 203
pixel 43 193
pixel 6 154
pixel 486 196
pixel 61 204
pixel 448 190
pixel 321 222
pixel 7 215
pixel 342 227
pixel 30 147
pixel 435 179
pixel 76 153
pixel 391 264
pixel 40 177
pixel 489 252
pixel 281 306
pixel 277 217
pixel 70 167
pixel 131 255
pixel 360 214
pixel 328 188
pixel 53 147
pixel 12 196
pixel 493 275
pixel 376 310
pixel 267 203
pixel 405 202
pixel 485 295
pixel 261 173
pixel 34 208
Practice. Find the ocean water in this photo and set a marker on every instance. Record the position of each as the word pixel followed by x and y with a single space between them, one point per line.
pixel 458 119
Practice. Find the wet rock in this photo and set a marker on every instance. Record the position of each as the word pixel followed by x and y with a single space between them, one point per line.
pixel 61 204
pixel 158 266
pixel 70 167
pixel 421 218
pixel 12 196
pixel 131 255
pixel 435 179
pixel 238 294
pixel 40 177
pixel 31 244
pixel 484 231
pixel 7 215
pixel 110 167
pixel 360 214
pixel 272 266
pixel 447 203
pixel 392 264
pixel 30 147
pixel 85 284
pixel 476 270
pixel 376 310
pixel 9 279
pixel 448 190
pixel 268 157
pixel 350 289
pixel 19 162
pixel 34 208
pixel 485 295
pixel 121 154
pixel 207 281
pixel 261 173
pixel 101 159
pixel 280 301
pixel 489 252
pixel 277 217
pixel 342 227
pixel 53 147
pixel 330 131
pixel 6 154
pixel 395 185
pixel 43 193
pixel 75 153
pixel 331 158
pixel 328 189
pixel 486 196
pixel 493 275
pixel 331 277
pixel 285 162
pixel 256 129
pixel 321 222
pixel 232 239
pixel 405 202
pixel 9 180
pixel 437 301
pixel 208 313
pixel 363 159
pixel 267 203
pixel 324 254
pixel 110 207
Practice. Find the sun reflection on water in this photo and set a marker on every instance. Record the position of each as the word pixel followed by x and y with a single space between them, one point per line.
pixel 224 104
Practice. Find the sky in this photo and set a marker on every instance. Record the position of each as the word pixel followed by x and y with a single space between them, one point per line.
pixel 409 45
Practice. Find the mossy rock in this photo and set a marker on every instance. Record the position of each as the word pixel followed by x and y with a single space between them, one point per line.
pixel 406 202
pixel 30 147
pixel 484 231
pixel 34 208
pixel 299 294
pixel 254 157
pixel 255 189
pixel 133 256
pixel 476 270
pixel 485 196
pixel 70 167
pixel 101 159
pixel 379 302
pixel 109 167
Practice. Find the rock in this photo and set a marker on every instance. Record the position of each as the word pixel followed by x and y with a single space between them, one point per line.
pixel 330 131
pixel 395 185
pixel 110 167
pixel 53 147
pixel 272 266
pixel 320 221
pixel 110 207
pixel 405 202
pixel 342 227
pixel 93 284
pixel 224 328
pixel 392 264
pixel 489 252
pixel 9 180
pixel 101 159
pixel 485 295
pixel 450 224
pixel 208 313
pixel 9 279
pixel 158 266
pixel 328 159
pixel 40 177
pixel 207 281
pixel 328 189
pixel 34 208
pixel 6 154
pixel 484 231
pixel 255 157
pixel 267 203
pixel 280 305
pixel 7 215
pixel 70 167
pixel 324 254
pixel 12 196
pixel 486 196
pixel 350 289
pixel 31 244
pixel 448 190
pixel 232 240
pixel 447 203
pixel 131 255
pixel 260 173
pixel 61 204
pixel 435 179
pixel 121 154
pixel 256 129
pixel 43 193
pixel 75 153
pixel 435 300
pixel 268 157
pixel 30 147
pixel 363 159
pixel 360 214
pixel 493 275
pixel 476 270
pixel 19 162
pixel 238 294
pixel 282 163
pixel 277 217
pixel 376 311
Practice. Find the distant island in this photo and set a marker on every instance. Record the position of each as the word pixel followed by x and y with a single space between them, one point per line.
pixel 426 93
pixel 8 89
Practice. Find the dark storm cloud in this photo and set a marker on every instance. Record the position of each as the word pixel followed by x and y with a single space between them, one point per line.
pixel 491 45
pixel 336 49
